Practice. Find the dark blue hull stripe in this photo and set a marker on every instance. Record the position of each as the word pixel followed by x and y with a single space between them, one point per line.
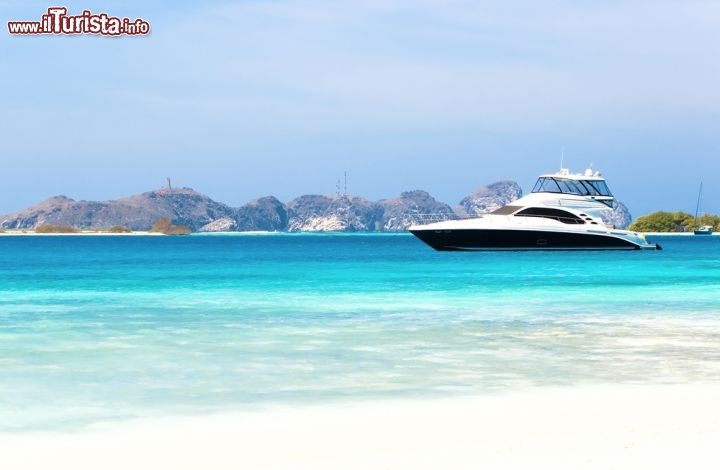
pixel 512 240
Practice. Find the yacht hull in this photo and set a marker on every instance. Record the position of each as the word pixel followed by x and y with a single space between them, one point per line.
pixel 521 240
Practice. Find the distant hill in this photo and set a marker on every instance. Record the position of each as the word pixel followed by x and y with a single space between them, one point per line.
pixel 183 206
pixel 411 207
pixel 332 214
pixel 308 213
pixel 266 213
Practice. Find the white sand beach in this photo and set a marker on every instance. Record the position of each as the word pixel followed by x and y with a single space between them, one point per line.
pixel 76 234
pixel 601 427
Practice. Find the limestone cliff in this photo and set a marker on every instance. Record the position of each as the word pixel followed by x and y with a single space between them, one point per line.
pixel 412 207
pixel 619 216
pixel 183 206
pixel 313 213
pixel 265 214
pixel 488 198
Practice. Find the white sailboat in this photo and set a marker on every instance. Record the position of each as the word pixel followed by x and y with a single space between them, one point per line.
pixel 703 229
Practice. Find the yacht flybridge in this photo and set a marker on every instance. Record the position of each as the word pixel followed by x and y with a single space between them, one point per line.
pixel 563 212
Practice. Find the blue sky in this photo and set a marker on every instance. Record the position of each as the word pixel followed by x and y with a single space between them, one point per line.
pixel 241 99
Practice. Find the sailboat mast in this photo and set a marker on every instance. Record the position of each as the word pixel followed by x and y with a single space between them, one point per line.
pixel 697 206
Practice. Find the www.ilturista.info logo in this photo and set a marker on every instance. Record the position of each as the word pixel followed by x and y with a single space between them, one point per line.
pixel 57 21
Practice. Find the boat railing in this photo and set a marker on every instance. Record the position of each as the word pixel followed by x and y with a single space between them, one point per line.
pixel 432 217
pixel 438 217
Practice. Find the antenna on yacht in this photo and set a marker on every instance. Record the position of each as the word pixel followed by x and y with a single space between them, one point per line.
pixel 563 170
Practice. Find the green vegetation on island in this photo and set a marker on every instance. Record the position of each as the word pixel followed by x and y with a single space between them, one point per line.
pixel 49 228
pixel 673 222
pixel 166 227
pixel 119 229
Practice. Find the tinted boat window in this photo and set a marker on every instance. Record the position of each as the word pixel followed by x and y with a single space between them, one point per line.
pixel 546 185
pixel 548 213
pixel 506 210
pixel 570 186
pixel 602 188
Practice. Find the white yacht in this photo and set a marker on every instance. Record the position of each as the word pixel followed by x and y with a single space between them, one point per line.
pixel 563 212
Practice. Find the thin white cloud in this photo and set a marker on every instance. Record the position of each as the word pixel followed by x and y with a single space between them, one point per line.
pixel 320 65
pixel 395 64
pixel 396 82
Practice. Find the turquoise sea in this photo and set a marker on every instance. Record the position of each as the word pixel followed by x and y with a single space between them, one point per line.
pixel 109 328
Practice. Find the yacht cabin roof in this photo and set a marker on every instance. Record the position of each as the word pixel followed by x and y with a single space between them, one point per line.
pixel 564 182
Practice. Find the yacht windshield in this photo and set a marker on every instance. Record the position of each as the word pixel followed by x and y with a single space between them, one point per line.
pixel 600 187
pixel 547 184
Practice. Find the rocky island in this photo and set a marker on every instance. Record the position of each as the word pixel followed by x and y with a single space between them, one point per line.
pixel 307 213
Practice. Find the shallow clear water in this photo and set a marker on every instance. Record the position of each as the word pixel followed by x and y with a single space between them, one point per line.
pixel 109 327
